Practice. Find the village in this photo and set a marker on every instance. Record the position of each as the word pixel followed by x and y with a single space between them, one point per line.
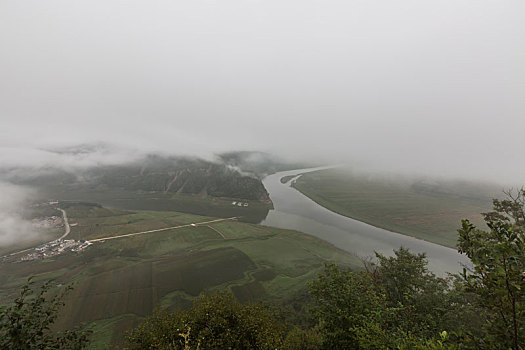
pixel 54 248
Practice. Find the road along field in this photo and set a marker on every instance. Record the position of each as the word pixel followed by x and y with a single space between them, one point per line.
pixel 119 281
pixel 427 210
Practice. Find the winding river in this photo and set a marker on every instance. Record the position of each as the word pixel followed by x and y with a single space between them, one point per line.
pixel 293 210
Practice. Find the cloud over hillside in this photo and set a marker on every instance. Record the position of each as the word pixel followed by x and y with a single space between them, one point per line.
pixel 13 203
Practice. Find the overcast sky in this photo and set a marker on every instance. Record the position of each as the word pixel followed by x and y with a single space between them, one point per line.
pixel 423 86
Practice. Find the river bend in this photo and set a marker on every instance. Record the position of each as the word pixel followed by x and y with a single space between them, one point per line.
pixel 293 210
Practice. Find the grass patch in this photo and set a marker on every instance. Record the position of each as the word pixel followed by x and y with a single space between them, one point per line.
pixel 430 211
pixel 104 330
pixel 249 292
pixel 264 275
pixel 287 178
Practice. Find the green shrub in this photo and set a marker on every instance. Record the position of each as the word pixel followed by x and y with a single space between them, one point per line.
pixel 213 322
pixel 25 325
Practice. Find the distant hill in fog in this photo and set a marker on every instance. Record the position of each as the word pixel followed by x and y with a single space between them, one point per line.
pixel 155 174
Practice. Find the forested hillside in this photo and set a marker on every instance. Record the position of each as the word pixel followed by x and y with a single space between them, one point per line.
pixel 172 175
pixel 168 175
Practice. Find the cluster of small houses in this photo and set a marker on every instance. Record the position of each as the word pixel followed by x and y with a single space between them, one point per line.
pixel 55 248
pixel 240 204
pixel 52 221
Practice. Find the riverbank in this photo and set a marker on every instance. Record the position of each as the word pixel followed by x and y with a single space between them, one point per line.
pixel 415 209
pixel 293 210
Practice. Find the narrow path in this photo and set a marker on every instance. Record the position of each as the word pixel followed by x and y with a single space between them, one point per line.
pixel 16 253
pixel 219 232
pixel 66 224
pixel 160 229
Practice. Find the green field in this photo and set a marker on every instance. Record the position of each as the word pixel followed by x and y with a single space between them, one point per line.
pixel 123 199
pixel 117 282
pixel 428 210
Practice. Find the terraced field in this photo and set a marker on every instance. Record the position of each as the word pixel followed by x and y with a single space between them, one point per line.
pixel 117 282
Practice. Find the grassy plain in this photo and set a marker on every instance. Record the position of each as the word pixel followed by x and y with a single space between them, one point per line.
pixel 117 282
pixel 123 199
pixel 428 210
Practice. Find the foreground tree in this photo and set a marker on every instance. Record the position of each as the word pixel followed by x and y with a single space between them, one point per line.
pixel 498 273
pixel 213 322
pixel 395 304
pixel 422 298
pixel 346 303
pixel 25 325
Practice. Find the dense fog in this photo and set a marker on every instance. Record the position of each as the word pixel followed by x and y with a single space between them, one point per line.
pixel 419 86
pixel 13 226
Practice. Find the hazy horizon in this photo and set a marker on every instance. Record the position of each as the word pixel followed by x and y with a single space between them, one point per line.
pixel 412 87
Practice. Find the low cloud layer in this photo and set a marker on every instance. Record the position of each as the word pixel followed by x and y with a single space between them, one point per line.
pixel 72 158
pixel 406 86
pixel 13 227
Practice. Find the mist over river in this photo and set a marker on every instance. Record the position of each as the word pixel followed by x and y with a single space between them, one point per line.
pixel 293 210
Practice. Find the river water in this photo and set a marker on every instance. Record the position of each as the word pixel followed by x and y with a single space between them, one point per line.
pixel 293 210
